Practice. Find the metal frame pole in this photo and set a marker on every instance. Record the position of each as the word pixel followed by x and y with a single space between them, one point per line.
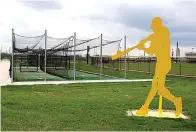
pixel 0 52
pixel 119 61
pixel 180 68
pixel 149 65
pixel 12 64
pixel 125 65
pixel 74 56
pixel 27 58
pixel 101 58
pixel 45 58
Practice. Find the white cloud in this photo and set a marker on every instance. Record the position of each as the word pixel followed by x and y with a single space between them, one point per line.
pixel 88 18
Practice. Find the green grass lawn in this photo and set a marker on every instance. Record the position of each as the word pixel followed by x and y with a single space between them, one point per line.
pixel 186 68
pixel 81 65
pixel 98 106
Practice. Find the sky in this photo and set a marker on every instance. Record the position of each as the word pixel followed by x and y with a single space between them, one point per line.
pixel 90 18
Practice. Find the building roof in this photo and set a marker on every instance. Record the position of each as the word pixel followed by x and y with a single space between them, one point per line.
pixel 190 53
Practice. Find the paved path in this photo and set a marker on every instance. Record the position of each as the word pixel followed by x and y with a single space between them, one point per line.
pixel 78 81
pixel 4 71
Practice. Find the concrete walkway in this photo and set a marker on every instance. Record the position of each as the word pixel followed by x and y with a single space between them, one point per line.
pixel 4 72
pixel 78 81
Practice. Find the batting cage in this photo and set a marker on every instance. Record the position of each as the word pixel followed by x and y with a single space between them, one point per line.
pixel 45 58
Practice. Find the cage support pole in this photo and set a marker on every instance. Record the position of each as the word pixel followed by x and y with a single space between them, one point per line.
pixel 180 68
pixel 125 64
pixel 37 62
pixel 45 58
pixel 101 58
pixel 12 64
pixel 74 56
pixel 0 52
pixel 27 57
pixel 149 64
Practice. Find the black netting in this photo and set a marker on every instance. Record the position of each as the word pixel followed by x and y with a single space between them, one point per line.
pixel 30 54
pixel 58 60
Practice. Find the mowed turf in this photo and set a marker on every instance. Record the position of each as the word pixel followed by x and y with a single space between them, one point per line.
pixel 95 106
pixel 93 72
pixel 188 69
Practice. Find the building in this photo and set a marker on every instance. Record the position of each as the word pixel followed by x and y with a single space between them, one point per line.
pixel 190 54
pixel 177 51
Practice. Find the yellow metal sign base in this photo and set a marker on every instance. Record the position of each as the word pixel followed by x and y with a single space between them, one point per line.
pixel 155 113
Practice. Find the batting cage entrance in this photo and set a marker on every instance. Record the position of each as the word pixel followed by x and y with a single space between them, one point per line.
pixel 44 58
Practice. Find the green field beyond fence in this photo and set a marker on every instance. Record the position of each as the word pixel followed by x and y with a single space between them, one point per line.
pixel 180 66
pixel 187 69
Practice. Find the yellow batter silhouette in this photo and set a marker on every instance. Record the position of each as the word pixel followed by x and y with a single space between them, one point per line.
pixel 160 47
